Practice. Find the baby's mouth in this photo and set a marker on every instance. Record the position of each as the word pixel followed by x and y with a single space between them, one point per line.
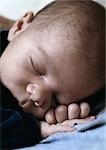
pixel 41 110
pixel 34 108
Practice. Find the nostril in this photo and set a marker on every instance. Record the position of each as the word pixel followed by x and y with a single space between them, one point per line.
pixel 38 102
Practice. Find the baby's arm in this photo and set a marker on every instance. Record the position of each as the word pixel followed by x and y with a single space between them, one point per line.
pixel 72 111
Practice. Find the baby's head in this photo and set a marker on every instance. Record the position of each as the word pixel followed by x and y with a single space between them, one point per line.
pixel 56 55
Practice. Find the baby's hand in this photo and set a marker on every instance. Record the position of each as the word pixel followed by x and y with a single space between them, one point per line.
pixel 72 111
pixel 65 126
pixel 47 129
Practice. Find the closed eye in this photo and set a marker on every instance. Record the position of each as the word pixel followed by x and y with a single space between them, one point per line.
pixel 35 69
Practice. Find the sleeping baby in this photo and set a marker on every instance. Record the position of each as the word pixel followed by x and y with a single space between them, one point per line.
pixel 54 61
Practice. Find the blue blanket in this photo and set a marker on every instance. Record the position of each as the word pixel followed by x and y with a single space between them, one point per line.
pixel 90 136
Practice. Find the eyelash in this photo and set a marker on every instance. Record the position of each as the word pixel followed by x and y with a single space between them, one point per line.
pixel 34 66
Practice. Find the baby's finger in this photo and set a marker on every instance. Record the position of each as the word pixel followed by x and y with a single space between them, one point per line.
pixel 78 121
pixel 85 109
pixel 61 113
pixel 47 130
pixel 50 116
pixel 73 111
pixel 60 128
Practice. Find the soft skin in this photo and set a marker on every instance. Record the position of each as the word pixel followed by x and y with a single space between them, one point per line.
pixel 51 63
pixel 44 70
pixel 55 60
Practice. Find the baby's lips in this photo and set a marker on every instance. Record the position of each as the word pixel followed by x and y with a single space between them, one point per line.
pixel 24 103
pixel 27 105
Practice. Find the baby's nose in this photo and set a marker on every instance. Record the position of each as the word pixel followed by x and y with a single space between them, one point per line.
pixel 36 94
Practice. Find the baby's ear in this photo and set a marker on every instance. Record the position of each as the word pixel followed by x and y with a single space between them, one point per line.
pixel 20 25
